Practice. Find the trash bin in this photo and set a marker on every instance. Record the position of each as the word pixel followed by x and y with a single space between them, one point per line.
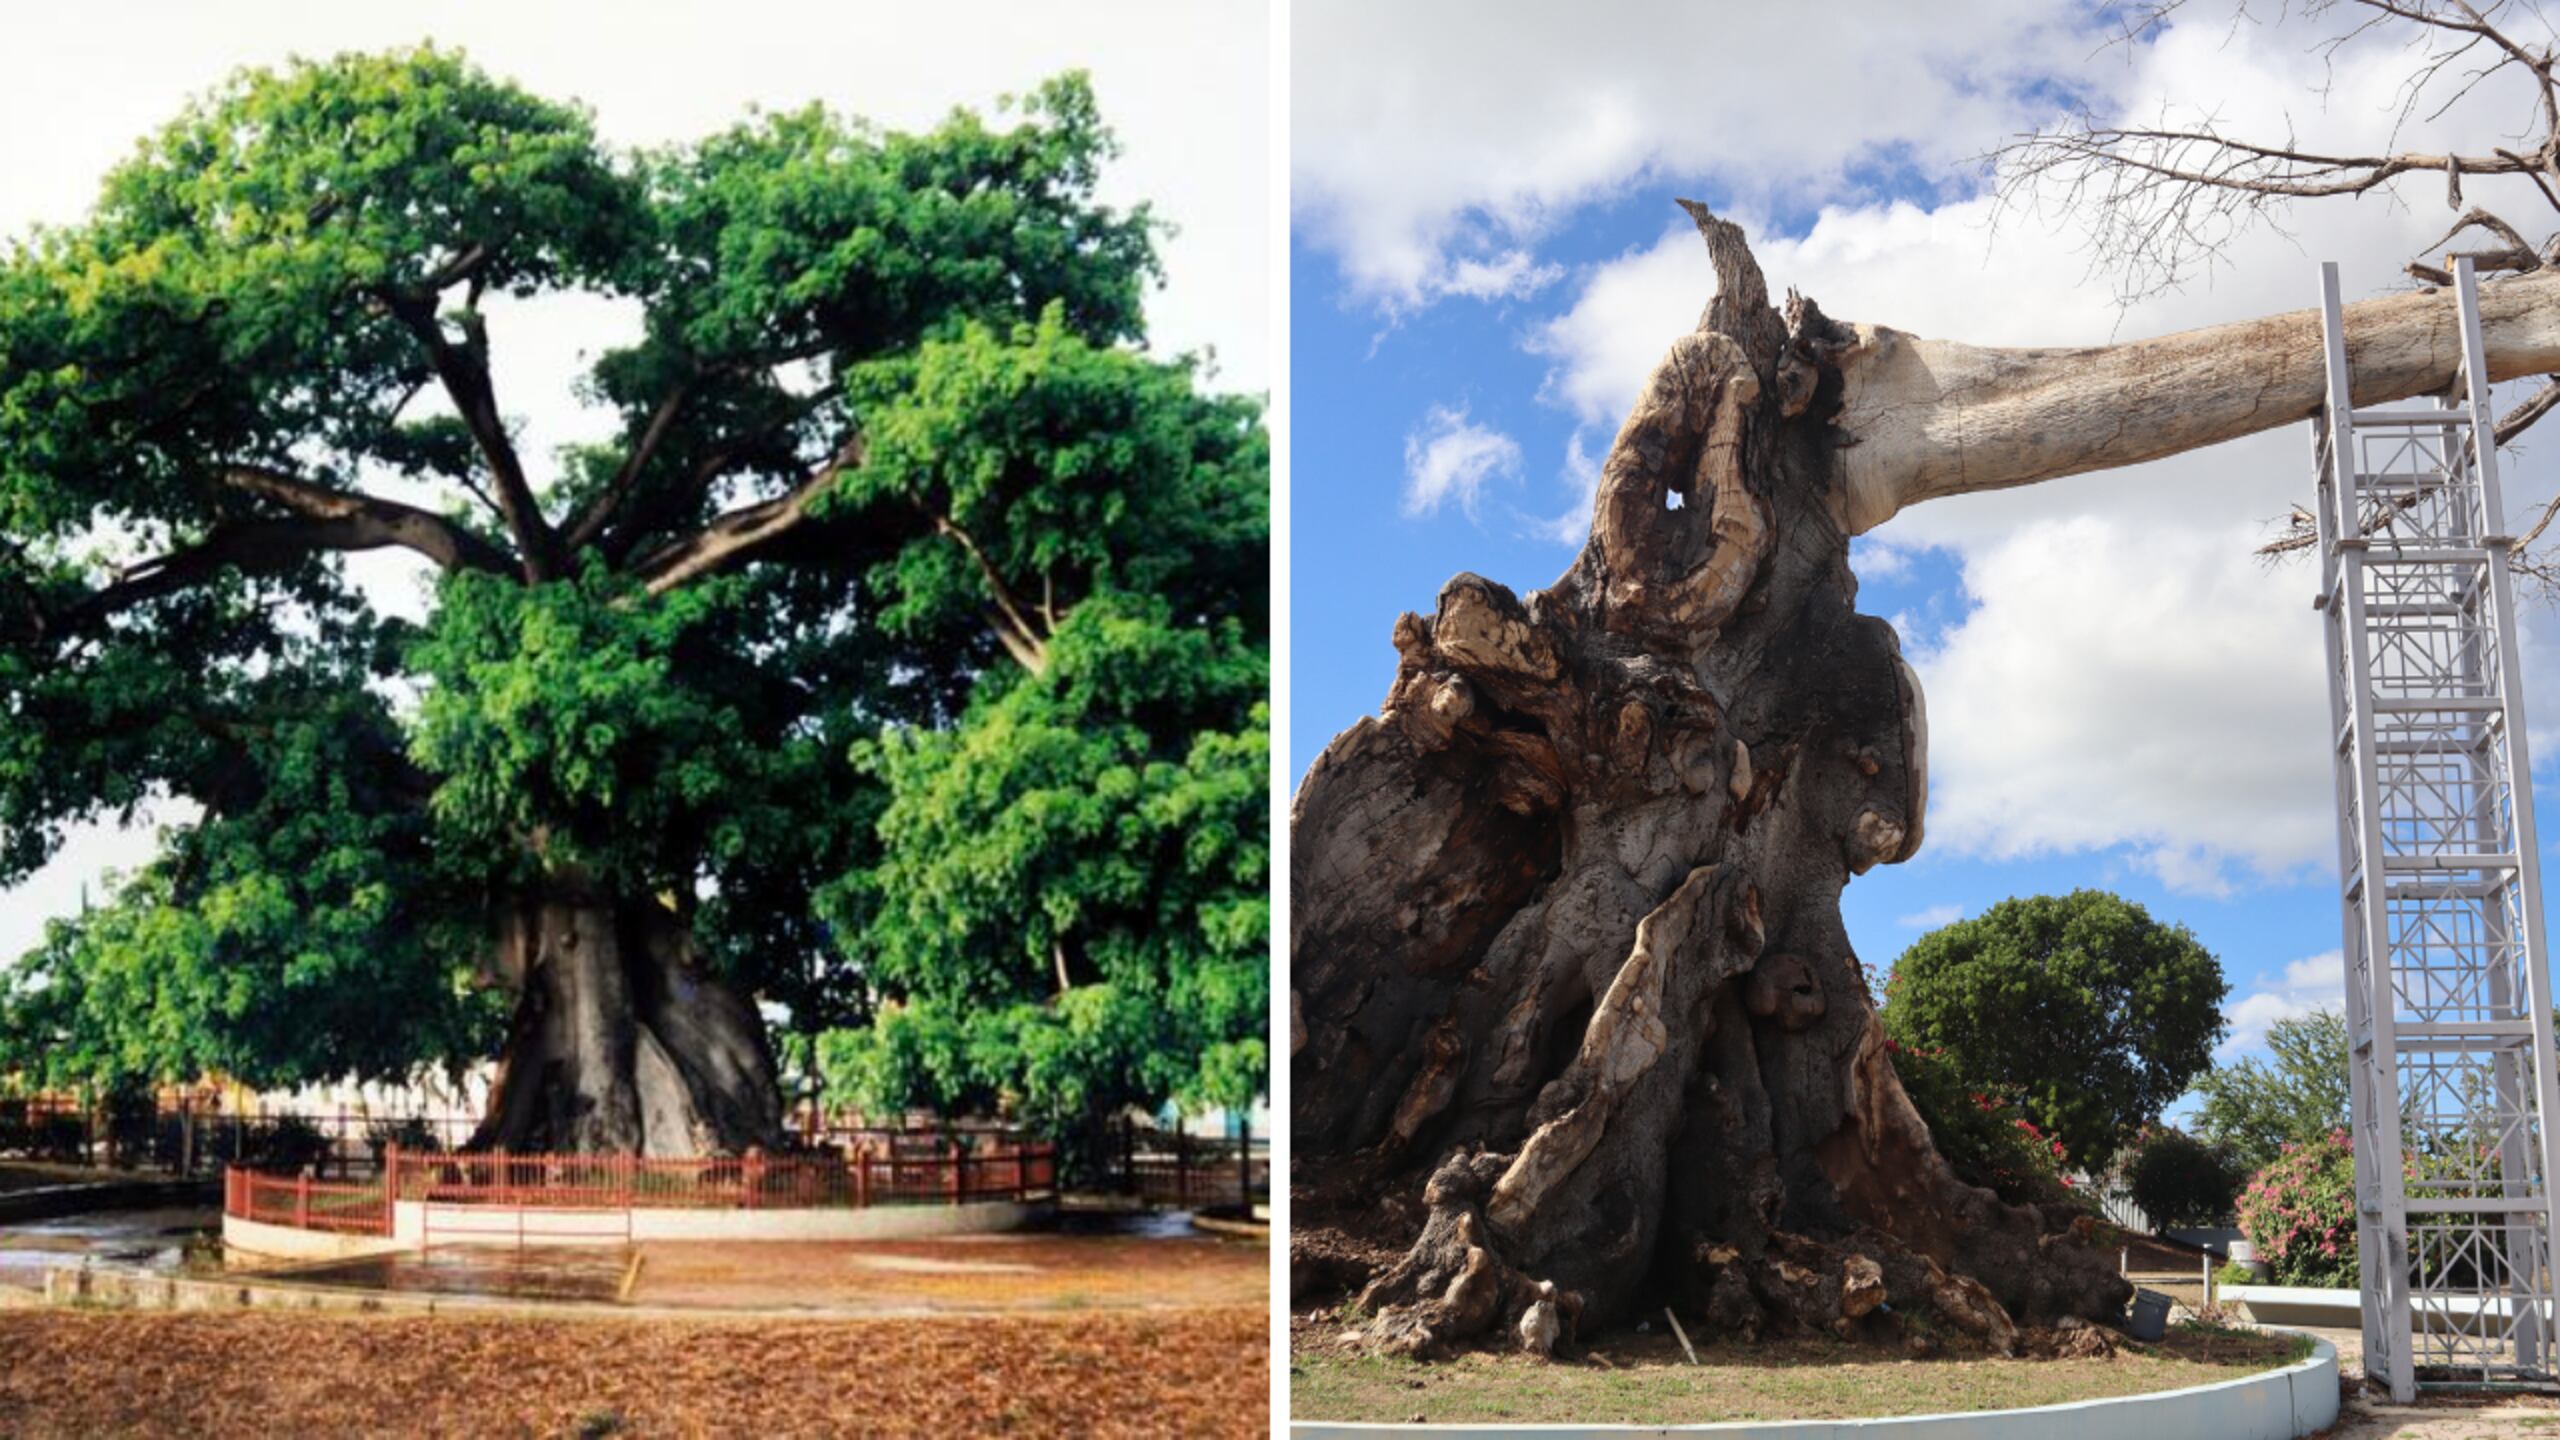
pixel 2150 1315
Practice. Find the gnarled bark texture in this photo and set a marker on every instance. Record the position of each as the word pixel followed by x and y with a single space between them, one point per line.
pixel 621 1043
pixel 1577 1027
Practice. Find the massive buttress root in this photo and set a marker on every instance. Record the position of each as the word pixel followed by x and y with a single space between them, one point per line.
pixel 622 1043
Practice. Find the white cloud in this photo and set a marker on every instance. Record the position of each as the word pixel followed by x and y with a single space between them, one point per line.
pixel 2121 683
pixel 1932 917
pixel 1875 559
pixel 1431 134
pixel 1511 275
pixel 2124 672
pixel 1450 457
pixel 2306 986
pixel 1581 476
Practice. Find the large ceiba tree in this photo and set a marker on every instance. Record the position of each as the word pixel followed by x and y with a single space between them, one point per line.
pixel 872 456
pixel 1576 1026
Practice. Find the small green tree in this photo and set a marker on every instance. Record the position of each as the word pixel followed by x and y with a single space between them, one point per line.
pixel 2255 1107
pixel 2178 1179
pixel 2092 1013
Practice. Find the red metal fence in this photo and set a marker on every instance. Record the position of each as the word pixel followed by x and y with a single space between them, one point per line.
pixel 905 1170
pixel 911 1170
pixel 305 1203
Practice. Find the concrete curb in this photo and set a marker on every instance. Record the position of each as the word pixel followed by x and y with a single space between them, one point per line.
pixel 54 1202
pixel 111 1289
pixel 1232 1229
pixel 2285 1404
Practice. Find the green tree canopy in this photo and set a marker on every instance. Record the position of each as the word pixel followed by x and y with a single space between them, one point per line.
pixel 1070 911
pixel 2094 1015
pixel 2256 1107
pixel 884 423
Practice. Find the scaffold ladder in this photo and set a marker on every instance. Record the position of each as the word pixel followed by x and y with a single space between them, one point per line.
pixel 2447 993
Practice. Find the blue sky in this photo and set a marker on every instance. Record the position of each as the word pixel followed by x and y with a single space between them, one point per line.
pixel 1485 255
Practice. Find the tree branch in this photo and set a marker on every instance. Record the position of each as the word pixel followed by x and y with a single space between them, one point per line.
pixel 449 545
pixel 464 371
pixel 601 510
pixel 636 520
pixel 250 547
pixel 736 535
pixel 1932 418
pixel 1024 641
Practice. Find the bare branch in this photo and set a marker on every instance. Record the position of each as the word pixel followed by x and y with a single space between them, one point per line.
pixel 1027 643
pixel 249 547
pixel 601 510
pixel 738 534
pixel 464 371
pixel 449 545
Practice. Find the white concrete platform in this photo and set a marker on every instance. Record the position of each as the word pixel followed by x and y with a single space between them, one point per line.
pixel 2334 1309
pixel 2298 1400
pixel 415 1224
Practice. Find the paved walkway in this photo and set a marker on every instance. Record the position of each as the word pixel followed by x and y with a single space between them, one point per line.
pixel 2367 1418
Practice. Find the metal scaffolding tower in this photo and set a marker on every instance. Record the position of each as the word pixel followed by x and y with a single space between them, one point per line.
pixel 2448 1010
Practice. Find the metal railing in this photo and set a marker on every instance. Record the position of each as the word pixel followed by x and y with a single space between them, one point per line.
pixel 908 1170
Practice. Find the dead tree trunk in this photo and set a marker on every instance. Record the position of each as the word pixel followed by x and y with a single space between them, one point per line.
pixel 1576 1025
pixel 621 1043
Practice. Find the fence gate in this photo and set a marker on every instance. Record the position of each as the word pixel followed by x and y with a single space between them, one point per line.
pixel 2448 1005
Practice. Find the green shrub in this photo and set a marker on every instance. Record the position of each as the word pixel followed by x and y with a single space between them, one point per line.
pixel 284 1145
pixel 1983 1134
pixel 414 1134
pixel 2301 1213
pixel 2178 1179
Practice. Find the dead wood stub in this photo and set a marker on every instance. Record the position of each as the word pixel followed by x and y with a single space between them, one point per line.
pixel 1578 1028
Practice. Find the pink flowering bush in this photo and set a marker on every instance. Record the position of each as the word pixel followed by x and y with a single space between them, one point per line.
pixel 2300 1211
pixel 1982 1133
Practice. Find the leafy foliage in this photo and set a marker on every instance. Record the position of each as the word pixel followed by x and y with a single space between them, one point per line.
pixel 2300 1211
pixel 2178 1179
pixel 739 655
pixel 1069 912
pixel 2256 1107
pixel 2092 1013
pixel 1983 1135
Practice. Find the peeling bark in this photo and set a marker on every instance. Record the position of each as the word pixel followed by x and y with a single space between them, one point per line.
pixel 1927 418
pixel 621 1043
pixel 1575 1024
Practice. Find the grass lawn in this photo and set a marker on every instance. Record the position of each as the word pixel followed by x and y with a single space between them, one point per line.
pixel 1644 1379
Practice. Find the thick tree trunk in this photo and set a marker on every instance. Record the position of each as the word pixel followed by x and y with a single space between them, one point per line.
pixel 1576 1025
pixel 621 1044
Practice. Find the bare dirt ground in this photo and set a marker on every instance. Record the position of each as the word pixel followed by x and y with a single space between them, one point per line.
pixel 85 1373
pixel 987 1274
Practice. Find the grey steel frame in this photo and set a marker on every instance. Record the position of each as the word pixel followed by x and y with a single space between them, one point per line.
pixel 2448 1004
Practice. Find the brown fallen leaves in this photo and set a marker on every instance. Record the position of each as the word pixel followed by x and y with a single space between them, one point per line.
pixel 108 1373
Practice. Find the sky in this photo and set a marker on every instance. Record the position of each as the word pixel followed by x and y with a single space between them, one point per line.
pixel 1486 261
pixel 81 85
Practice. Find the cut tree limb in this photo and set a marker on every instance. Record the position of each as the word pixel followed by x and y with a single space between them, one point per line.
pixel 1933 418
